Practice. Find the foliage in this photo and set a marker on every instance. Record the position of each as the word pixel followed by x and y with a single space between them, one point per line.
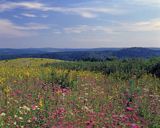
pixel 100 54
pixel 44 93
pixel 120 69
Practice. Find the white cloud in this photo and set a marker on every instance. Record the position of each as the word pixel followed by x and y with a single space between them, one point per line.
pixel 9 29
pixel 32 26
pixel 16 16
pixel 86 12
pixel 12 5
pixel 87 28
pixel 141 26
pixel 29 15
pixel 151 2
pixel 90 12
pixel 155 3
pixel 44 16
pixel 141 33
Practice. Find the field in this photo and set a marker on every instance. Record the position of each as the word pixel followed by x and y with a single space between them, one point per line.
pixel 47 93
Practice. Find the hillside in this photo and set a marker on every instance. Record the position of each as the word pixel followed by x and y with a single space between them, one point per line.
pixel 46 93
pixel 79 54
pixel 137 53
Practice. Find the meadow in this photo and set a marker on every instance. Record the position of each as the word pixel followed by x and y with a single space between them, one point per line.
pixel 47 93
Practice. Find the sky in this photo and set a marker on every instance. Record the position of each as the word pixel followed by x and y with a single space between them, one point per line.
pixel 79 23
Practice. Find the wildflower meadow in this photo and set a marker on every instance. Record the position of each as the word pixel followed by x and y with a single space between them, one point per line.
pixel 46 93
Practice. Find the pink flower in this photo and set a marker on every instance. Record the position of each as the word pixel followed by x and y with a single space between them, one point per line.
pixel 59 113
pixel 135 117
pixel 89 124
pixel 34 107
pixel 130 109
pixel 134 126
pixel 34 118
pixel 65 90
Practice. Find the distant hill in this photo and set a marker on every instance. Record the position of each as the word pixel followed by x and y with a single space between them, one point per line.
pixel 137 53
pixel 8 51
pixel 80 54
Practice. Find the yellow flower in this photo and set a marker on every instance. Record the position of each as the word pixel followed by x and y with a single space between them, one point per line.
pixel 41 102
pixel 14 81
pixel 110 97
pixel 6 90
pixel 27 74
pixel 2 80
pixel 59 92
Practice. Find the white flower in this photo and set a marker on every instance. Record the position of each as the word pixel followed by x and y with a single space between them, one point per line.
pixel 21 118
pixel 26 108
pixel 29 121
pixel 85 108
pixel 3 114
pixel 86 94
pixel 21 112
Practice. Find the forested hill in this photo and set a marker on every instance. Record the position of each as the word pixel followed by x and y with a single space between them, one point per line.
pixel 137 52
pixel 79 54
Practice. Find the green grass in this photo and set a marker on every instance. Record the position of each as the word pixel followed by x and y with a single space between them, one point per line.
pixel 41 93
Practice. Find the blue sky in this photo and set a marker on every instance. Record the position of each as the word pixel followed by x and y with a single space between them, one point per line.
pixel 79 23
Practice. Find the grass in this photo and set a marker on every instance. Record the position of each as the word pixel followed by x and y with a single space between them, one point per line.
pixel 37 96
